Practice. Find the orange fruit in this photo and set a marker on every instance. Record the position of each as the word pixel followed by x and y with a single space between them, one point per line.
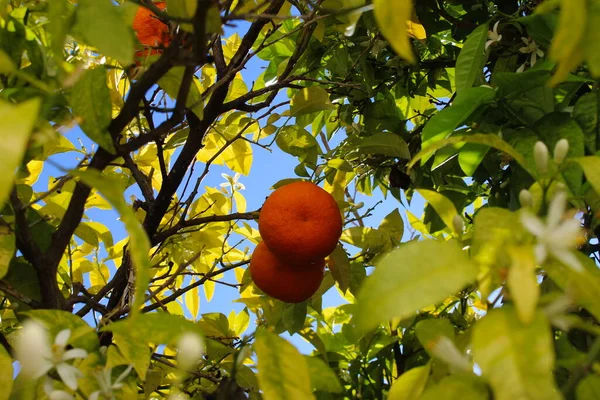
pixel 150 30
pixel 300 223
pixel 279 280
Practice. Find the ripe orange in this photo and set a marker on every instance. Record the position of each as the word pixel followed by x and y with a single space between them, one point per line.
pixel 280 281
pixel 151 31
pixel 300 223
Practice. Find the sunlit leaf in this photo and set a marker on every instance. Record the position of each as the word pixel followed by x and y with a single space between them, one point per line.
pixel 7 249
pixel 322 377
pixel 392 17
pixel 441 204
pixel 516 359
pixel 470 61
pixel 6 374
pixel 339 265
pixel 411 277
pixel 522 282
pixel 282 371
pixel 385 143
pixel 309 100
pixel 457 387
pixel 110 34
pixel 411 384
pixel 16 123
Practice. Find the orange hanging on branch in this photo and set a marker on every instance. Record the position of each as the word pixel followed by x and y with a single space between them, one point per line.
pixel 151 31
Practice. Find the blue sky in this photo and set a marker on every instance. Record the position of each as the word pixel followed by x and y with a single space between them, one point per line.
pixel 268 167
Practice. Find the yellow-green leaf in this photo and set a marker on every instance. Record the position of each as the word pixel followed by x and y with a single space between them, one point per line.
pixel 139 244
pixel 192 301
pixel 16 123
pixel 7 249
pixel 322 377
pixel 591 169
pixel 470 61
pixel 516 359
pixel 522 282
pixel 339 265
pixel 411 384
pixel 442 205
pixel 309 100
pixel 416 275
pixel 391 17
pixel 6 374
pixel 282 371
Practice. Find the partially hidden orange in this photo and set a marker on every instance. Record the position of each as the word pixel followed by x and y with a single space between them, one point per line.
pixel 151 31
pixel 300 223
pixel 279 280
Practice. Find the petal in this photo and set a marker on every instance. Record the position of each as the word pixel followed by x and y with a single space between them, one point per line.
pixel 69 375
pixel 525 40
pixel 495 29
pixel 566 234
pixel 533 59
pixel 541 252
pixel 74 353
pixel 60 395
pixel 540 52
pixel 521 68
pixel 524 50
pixel 567 258
pixel 533 224
pixel 62 337
pixel 489 43
pixel 556 209
pixel 94 395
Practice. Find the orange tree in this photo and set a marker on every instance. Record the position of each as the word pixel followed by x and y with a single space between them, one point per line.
pixel 487 110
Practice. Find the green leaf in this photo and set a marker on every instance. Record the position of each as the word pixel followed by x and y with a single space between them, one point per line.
pixel 430 330
pixel 515 358
pixel 139 244
pixel 591 169
pixel 6 374
pixel 410 384
pixel 110 34
pixel 16 123
pixel 479 138
pixel 592 35
pixel 470 156
pixel 171 82
pixel 322 377
pixel 584 286
pixel 442 205
pixel 82 335
pixel 339 265
pixel 411 277
pixel 392 225
pixel 586 112
pixel 293 317
pixel 283 372
pixel 392 18
pixel 522 281
pixel 588 388
pixel 299 143
pixel 340 164
pixel 470 61
pixel 310 100
pixel 386 143
pixel 443 123
pixel 155 327
pixel 8 247
pixel 90 99
pixel 457 387
pixel 6 64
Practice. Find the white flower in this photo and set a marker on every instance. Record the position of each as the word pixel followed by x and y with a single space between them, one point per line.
pixel 556 237
pixel 55 394
pixel 560 150
pixel 233 182
pixel 38 356
pixel 190 349
pixel 107 387
pixel 540 156
pixel 532 48
pixel 525 198
pixel 493 36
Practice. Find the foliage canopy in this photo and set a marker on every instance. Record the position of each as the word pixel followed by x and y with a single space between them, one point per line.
pixel 487 110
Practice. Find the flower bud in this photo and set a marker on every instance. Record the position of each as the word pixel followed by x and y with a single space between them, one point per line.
pixel 190 348
pixel 540 155
pixel 560 150
pixel 458 224
pixel 525 198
